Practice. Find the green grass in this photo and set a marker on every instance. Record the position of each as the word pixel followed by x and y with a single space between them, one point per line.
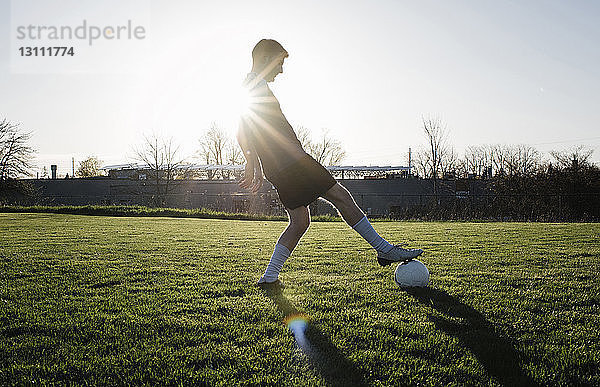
pixel 133 300
pixel 101 210
pixel 200 213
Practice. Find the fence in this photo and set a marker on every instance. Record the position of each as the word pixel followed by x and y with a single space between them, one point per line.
pixel 461 206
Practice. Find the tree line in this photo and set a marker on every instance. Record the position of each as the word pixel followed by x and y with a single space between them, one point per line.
pixel 517 182
pixel 438 158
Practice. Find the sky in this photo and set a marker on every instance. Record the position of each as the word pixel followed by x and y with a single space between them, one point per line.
pixel 494 72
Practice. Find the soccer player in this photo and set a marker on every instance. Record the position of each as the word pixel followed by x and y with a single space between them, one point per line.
pixel 270 145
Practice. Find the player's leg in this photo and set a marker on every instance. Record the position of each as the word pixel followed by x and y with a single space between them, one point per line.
pixel 299 221
pixel 353 215
pixel 345 204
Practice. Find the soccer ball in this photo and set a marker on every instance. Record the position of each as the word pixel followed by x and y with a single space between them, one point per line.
pixel 411 274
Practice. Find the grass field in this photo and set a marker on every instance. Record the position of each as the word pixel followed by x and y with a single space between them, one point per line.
pixel 131 300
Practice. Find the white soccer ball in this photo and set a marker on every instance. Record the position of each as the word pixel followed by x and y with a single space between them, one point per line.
pixel 411 274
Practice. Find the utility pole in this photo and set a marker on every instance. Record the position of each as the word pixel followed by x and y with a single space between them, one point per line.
pixel 73 167
pixel 409 161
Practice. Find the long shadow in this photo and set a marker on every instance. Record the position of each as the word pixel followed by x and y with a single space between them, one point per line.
pixel 322 354
pixel 474 332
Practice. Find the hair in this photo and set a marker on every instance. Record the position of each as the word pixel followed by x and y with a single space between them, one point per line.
pixel 267 47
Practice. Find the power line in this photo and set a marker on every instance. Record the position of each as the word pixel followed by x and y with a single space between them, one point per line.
pixel 567 141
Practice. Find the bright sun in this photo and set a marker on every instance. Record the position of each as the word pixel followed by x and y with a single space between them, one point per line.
pixel 242 101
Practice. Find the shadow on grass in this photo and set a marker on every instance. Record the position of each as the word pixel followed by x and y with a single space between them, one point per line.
pixel 323 355
pixel 474 332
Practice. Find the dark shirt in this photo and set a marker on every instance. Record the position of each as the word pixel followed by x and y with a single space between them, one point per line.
pixel 268 131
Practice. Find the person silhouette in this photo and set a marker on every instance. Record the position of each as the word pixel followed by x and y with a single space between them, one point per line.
pixel 271 147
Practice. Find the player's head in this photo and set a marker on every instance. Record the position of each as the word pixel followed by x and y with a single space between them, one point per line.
pixel 267 59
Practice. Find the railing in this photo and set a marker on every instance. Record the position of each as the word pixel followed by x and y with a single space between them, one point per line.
pixel 543 207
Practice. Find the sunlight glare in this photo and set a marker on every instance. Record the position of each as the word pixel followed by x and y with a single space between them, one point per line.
pixel 298 324
pixel 242 101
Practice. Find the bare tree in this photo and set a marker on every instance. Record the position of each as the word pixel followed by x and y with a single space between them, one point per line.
pixel 234 154
pixel 574 158
pixel 151 154
pixel 213 145
pixel 499 157
pixel 437 157
pixel 476 160
pixel 15 153
pixel 490 155
pixel 161 157
pixel 326 149
pixel 504 160
pixel 436 135
pixel 482 160
pixel 214 142
pixel 304 136
pixel 172 162
pixel 89 167
pixel 421 163
pixel 450 163
pixel 522 160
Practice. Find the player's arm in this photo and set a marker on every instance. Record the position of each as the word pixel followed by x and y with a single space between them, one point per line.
pixel 253 174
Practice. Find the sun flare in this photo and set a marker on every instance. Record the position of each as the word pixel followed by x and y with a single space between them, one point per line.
pixel 242 101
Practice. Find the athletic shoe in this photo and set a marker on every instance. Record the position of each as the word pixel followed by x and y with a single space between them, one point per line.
pixel 277 284
pixel 397 254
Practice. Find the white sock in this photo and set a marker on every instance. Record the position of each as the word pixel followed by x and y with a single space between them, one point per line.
pixel 364 228
pixel 280 254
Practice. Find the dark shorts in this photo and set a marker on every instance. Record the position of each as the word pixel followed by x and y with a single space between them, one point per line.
pixel 302 182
